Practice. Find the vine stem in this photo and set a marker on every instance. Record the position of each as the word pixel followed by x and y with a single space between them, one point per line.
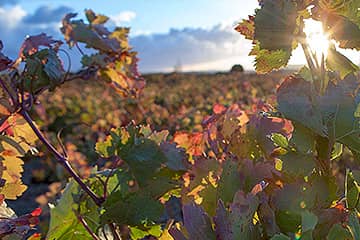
pixel 61 159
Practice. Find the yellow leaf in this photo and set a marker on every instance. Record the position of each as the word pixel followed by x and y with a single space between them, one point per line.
pixel 13 190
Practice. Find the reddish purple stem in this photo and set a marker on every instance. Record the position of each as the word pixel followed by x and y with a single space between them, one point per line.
pixel 61 159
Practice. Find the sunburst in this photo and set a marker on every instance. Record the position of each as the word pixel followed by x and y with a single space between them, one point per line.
pixel 316 38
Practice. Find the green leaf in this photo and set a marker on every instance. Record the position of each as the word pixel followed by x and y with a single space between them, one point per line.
pixel 321 192
pixel 247 28
pixel 144 158
pixel 229 182
pixel 288 221
pixel 275 24
pixel 280 237
pixel 295 102
pixel 176 157
pixel 296 163
pixel 338 232
pixel 136 210
pixel 343 30
pixel 279 140
pixel 352 191
pixel 266 60
pixel 335 61
pixel 137 233
pixel 354 225
pixel 303 139
pixel 308 221
pixel 43 70
pixel 330 116
pixel 63 222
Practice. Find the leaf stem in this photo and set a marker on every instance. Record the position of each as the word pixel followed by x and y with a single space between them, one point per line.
pixel 86 226
pixel 61 159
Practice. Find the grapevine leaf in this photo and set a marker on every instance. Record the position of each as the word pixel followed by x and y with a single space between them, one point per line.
pixel 176 157
pixel 46 65
pixel 114 61
pixel 329 217
pixel 222 223
pixel 144 158
pixel 134 210
pixel 63 222
pixel 321 192
pixel 330 115
pixel 21 131
pixel 297 163
pixel 237 223
pixel 94 60
pixel 294 99
pixel 288 221
pixel 197 222
pixel 247 28
pixel 95 19
pixel 13 190
pixel 77 31
pixel 256 140
pixel 200 183
pixel 229 182
pixel 242 211
pixel 308 221
pixel 354 225
pixel 346 32
pixel 13 227
pixel 280 236
pixel 348 9
pixel 266 60
pixel 137 233
pixel 279 140
pixel 289 197
pixel 267 219
pixel 338 232
pixel 32 43
pixel 13 186
pixel 4 60
pixel 352 191
pixel 275 24
pixel 335 61
pixel 193 143
pixel 303 139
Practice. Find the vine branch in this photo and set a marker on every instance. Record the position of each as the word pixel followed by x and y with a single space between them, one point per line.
pixel 61 159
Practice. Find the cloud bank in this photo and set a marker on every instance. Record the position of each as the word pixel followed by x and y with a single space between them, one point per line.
pixel 193 48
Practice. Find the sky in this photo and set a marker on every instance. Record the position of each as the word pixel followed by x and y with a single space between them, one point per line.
pixel 198 35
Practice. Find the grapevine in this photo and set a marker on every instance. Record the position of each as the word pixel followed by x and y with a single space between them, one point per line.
pixel 269 171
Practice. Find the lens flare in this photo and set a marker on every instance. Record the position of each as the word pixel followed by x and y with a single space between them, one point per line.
pixel 316 38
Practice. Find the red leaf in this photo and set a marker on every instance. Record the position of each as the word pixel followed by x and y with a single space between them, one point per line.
pixel 4 60
pixel 32 43
pixel 194 143
pixel 36 212
pixel 219 108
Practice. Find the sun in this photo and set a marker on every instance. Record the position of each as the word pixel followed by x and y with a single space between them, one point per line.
pixel 316 38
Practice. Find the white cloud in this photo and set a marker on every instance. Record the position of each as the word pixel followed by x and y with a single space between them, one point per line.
pixel 197 49
pixel 10 17
pixel 123 17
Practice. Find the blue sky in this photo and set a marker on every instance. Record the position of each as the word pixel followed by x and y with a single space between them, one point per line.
pixel 197 34
pixel 158 16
